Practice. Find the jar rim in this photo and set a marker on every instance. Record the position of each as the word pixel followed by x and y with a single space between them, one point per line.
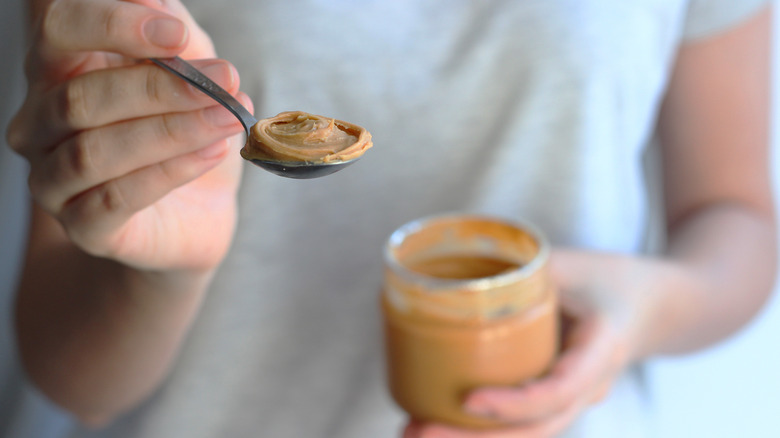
pixel 433 284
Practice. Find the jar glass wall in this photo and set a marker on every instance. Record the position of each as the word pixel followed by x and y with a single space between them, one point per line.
pixel 467 302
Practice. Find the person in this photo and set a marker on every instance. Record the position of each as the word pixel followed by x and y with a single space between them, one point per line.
pixel 170 290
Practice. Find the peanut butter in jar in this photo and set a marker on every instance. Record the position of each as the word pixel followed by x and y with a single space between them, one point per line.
pixel 467 302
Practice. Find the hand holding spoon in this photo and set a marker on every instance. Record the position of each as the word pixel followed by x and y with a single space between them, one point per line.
pixel 290 168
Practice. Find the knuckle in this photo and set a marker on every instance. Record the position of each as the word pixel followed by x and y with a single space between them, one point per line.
pixel 78 156
pixel 36 182
pixel 74 103
pixel 15 136
pixel 153 87
pixel 86 217
pixel 113 19
pixel 111 198
pixel 40 187
pixel 171 127
pixel 51 22
pixel 166 172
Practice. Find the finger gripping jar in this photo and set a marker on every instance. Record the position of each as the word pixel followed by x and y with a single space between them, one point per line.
pixel 467 302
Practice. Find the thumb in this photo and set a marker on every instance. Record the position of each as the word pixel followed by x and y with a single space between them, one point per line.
pixel 199 45
pixel 571 271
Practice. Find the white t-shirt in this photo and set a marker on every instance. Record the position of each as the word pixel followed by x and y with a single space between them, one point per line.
pixel 538 110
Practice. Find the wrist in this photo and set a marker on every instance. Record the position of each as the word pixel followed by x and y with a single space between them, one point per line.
pixel 169 283
pixel 668 307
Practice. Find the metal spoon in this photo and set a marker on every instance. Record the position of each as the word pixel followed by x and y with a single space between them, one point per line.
pixel 289 169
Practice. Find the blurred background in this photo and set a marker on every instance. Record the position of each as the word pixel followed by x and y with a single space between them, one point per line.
pixel 732 390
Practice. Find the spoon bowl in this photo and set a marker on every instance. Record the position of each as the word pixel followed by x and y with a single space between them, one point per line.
pixel 287 169
pixel 300 170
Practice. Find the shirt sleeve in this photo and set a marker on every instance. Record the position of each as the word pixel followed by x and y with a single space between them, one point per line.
pixel 709 17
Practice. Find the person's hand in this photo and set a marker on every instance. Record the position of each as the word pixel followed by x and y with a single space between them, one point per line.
pixel 606 300
pixel 135 164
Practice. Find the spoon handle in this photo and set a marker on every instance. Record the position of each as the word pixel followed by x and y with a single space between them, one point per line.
pixel 186 71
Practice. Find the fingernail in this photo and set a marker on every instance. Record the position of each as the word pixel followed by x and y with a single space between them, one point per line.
pixel 219 116
pixel 213 151
pixel 221 73
pixel 167 33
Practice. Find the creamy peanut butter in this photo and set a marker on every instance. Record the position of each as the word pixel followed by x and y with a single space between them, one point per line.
pixel 467 302
pixel 296 136
pixel 462 266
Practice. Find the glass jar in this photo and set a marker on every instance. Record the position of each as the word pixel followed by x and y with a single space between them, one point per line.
pixel 467 302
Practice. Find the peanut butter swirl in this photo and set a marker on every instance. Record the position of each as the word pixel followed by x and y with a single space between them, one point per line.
pixel 302 137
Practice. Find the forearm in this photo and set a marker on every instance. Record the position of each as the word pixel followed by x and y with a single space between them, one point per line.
pixel 720 269
pixel 97 336
pixel 713 130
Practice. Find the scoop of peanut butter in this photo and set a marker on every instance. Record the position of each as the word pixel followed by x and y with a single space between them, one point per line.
pixel 296 136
